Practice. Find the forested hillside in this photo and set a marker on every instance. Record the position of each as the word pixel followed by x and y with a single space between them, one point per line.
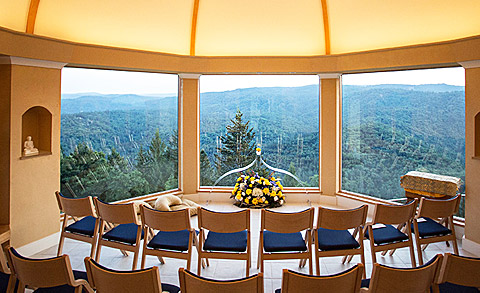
pixel 388 130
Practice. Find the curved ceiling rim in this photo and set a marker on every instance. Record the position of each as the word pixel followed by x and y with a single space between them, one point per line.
pixel 193 34
pixel 32 16
pixel 440 54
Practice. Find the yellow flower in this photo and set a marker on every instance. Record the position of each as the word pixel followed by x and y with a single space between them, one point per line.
pixel 239 196
pixel 255 200
pixel 258 149
pixel 280 185
pixel 266 191
pixel 279 193
pixel 261 200
pixel 267 182
pixel 247 177
pixel 266 201
pixel 239 179
pixel 250 185
pixel 273 193
pixel 246 200
pixel 249 191
pixel 235 189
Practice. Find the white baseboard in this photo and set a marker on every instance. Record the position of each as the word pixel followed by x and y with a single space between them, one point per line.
pixel 471 246
pixel 39 245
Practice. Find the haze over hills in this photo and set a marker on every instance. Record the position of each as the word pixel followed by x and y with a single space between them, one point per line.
pixel 386 129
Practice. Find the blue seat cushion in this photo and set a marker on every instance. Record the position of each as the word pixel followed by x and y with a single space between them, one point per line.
pixel 431 228
pixel 170 288
pixel 365 283
pixel 276 242
pixel 85 226
pixel 452 288
pixel 335 239
pixel 175 240
pixel 387 234
pixel 4 281
pixel 126 233
pixel 64 288
pixel 236 241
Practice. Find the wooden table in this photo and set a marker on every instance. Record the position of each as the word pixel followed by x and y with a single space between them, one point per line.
pixel 4 243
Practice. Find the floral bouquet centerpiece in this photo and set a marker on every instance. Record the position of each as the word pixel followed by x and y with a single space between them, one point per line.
pixel 254 191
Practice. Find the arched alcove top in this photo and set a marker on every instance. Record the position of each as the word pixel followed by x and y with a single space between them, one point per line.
pixel 37 123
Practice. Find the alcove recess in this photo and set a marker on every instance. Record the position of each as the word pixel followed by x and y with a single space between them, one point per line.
pixel 37 123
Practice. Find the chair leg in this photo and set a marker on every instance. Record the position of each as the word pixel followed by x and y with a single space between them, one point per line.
pixel 161 260
pixel 349 258
pixel 362 258
pixel 419 254
pixel 310 263
pixel 199 265
pixel 60 244
pixel 374 255
pixel 135 258
pixel 392 251
pixel 99 248
pixel 412 255
pixel 11 283
pixel 144 258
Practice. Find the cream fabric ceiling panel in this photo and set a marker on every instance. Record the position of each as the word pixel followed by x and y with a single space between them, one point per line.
pixel 374 24
pixel 152 25
pixel 13 14
pixel 260 28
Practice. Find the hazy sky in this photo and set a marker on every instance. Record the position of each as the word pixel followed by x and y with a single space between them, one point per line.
pixel 77 80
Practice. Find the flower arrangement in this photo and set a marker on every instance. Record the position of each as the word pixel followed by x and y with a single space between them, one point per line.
pixel 254 191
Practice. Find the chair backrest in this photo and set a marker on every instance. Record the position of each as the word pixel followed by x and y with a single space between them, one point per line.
pixel 41 273
pixel 341 219
pixel 460 270
pixel 76 207
pixel 287 222
pixel 165 220
pixel 419 279
pixel 116 213
pixel 224 222
pixel 345 282
pixel 438 208
pixel 107 280
pixel 191 283
pixel 394 214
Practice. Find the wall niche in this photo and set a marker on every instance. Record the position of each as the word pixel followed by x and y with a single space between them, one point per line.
pixel 37 123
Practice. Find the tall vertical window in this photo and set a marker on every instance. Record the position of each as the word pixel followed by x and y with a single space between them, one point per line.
pixel 278 114
pixel 118 133
pixel 396 122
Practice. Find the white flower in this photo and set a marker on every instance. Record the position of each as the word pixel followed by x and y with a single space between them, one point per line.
pixel 257 192
pixel 275 198
pixel 281 201
pixel 243 186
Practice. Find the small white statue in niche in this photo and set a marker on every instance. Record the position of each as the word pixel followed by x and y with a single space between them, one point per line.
pixel 29 148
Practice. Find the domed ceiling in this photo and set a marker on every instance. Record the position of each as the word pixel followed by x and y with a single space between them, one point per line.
pixel 245 27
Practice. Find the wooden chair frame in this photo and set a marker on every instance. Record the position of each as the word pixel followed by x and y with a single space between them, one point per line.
pixel 388 279
pixel 401 215
pixel 55 271
pixel 108 280
pixel 287 223
pixel 458 270
pixel 111 215
pixel 76 208
pixel 341 220
pixel 249 284
pixel 293 282
pixel 223 222
pixel 436 209
pixel 168 221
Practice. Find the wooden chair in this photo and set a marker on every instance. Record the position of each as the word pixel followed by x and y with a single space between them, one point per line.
pixel 103 279
pixel 126 233
pixel 387 237
pixel 458 274
pixel 191 283
pixel 84 229
pixel 345 282
pixel 332 237
pixel 281 237
pixel 228 236
pixel 434 223
pixel 174 237
pixel 46 275
pixel 402 280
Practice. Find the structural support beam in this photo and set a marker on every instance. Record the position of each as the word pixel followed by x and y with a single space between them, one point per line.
pixel 193 33
pixel 32 16
pixel 330 153
pixel 326 27
pixel 189 134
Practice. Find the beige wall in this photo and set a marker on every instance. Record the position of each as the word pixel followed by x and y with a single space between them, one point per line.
pixel 472 165
pixel 33 181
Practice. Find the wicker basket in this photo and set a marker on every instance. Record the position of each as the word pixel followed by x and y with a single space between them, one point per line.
pixel 430 185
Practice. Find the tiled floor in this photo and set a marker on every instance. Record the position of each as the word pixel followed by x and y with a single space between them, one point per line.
pixel 231 269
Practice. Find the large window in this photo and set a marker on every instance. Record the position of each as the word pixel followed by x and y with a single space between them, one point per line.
pixel 397 122
pixel 118 133
pixel 279 114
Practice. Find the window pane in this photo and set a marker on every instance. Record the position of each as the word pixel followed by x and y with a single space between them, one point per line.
pixel 282 116
pixel 118 133
pixel 397 122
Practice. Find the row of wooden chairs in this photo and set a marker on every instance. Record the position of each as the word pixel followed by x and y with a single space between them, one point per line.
pixel 452 273
pixel 280 234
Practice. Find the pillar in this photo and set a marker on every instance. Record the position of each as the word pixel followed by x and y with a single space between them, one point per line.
pixel 189 133
pixel 330 148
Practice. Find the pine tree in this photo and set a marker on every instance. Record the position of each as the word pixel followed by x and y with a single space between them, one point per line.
pixel 237 145
pixel 206 171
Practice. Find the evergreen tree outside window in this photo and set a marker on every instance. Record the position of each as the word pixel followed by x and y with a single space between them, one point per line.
pixel 118 133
